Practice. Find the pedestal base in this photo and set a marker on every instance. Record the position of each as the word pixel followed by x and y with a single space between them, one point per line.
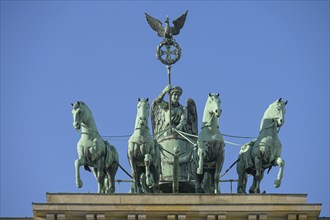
pixel 176 207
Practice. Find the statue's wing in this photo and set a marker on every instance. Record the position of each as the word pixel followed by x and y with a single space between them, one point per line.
pixel 153 118
pixel 156 25
pixel 157 118
pixel 192 126
pixel 178 23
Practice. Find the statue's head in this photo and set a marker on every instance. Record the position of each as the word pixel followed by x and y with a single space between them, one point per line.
pixel 175 93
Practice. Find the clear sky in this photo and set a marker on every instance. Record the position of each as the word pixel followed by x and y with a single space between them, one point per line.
pixel 103 53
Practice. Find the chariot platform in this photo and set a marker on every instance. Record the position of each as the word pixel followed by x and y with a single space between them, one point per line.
pixel 61 206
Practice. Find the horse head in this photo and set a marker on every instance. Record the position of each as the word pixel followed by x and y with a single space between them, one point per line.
pixel 143 111
pixel 213 105
pixel 77 112
pixel 275 114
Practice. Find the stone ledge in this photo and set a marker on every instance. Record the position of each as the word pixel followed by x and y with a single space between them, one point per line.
pixel 176 206
pixel 176 198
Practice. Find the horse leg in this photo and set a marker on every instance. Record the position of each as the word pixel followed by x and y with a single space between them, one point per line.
pixel 95 172
pixel 218 167
pixel 212 181
pixel 106 186
pixel 280 162
pixel 130 155
pixel 242 177
pixel 132 162
pixel 137 180
pixel 200 153
pixel 155 170
pixel 255 187
pixel 99 176
pixel 258 166
pixel 155 174
pixel 198 183
pixel 259 182
pixel 100 180
pixel 149 178
pixel 216 182
pixel 79 162
pixel 111 175
pixel 242 181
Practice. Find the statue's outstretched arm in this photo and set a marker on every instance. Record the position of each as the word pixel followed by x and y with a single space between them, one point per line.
pixel 162 94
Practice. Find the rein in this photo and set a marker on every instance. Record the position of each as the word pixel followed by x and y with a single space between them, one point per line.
pixel 139 128
pixel 271 125
pixel 82 125
pixel 208 124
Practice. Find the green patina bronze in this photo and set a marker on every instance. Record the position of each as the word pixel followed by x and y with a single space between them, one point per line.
pixel 210 147
pixel 264 152
pixel 172 123
pixel 174 158
pixel 93 151
pixel 143 156
pixel 168 51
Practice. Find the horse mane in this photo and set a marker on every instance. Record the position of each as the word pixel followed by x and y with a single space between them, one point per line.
pixel 204 122
pixel 88 112
pixel 137 112
pixel 85 106
pixel 266 117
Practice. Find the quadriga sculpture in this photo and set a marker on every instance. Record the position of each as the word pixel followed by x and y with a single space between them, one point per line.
pixel 210 147
pixel 264 152
pixel 93 151
pixel 143 156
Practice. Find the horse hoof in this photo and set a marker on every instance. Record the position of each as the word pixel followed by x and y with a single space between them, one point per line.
pixel 240 190
pixel 111 190
pixel 79 183
pixel 199 190
pixel 199 171
pixel 277 183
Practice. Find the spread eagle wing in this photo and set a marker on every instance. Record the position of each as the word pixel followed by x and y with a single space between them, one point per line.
pixel 191 126
pixel 178 23
pixel 156 25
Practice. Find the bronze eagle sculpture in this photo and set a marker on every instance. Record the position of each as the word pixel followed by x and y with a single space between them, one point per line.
pixel 167 31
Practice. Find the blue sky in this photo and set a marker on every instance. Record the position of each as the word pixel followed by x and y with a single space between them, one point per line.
pixel 103 53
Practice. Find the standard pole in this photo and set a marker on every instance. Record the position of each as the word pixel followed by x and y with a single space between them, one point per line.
pixel 169 96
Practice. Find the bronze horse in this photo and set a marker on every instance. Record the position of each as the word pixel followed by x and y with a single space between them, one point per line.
pixel 143 156
pixel 263 153
pixel 210 147
pixel 93 151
